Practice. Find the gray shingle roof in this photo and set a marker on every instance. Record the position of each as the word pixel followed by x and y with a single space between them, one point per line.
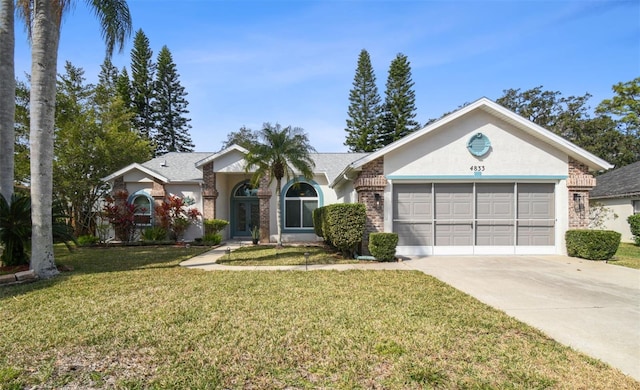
pixel 177 166
pixel 618 183
pixel 334 163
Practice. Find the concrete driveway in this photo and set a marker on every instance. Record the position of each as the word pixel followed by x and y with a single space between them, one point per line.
pixel 590 306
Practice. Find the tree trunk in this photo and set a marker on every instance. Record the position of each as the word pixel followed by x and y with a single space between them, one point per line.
pixel 278 212
pixel 44 53
pixel 7 97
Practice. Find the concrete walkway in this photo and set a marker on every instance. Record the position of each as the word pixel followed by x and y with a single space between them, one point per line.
pixel 590 306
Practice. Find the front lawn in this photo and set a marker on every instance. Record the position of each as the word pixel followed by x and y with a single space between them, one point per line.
pixel 132 318
pixel 288 255
pixel 628 255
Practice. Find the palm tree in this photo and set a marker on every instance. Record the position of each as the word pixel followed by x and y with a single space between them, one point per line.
pixel 280 152
pixel 43 18
pixel 7 97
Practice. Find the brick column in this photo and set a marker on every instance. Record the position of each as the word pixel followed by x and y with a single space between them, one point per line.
pixel 579 183
pixel 370 185
pixel 209 192
pixel 118 185
pixel 264 194
pixel 158 193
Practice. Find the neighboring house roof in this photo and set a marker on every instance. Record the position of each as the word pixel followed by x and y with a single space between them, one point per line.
pixel 170 167
pixel 619 183
pixel 487 105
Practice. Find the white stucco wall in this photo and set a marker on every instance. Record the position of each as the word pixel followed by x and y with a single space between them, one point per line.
pixel 623 208
pixel 136 176
pixel 443 152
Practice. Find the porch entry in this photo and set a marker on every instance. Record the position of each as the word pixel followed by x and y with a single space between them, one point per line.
pixel 245 209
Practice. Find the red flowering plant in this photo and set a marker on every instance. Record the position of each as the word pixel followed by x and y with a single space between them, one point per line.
pixel 175 217
pixel 121 214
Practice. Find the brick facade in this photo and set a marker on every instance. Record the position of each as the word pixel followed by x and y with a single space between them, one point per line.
pixel 209 191
pixel 370 185
pixel 158 193
pixel 579 183
pixel 264 195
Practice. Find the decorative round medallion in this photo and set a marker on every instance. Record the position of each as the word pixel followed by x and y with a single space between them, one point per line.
pixel 478 145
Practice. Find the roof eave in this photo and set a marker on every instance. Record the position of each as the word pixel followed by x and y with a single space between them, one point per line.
pixel 214 156
pixel 139 167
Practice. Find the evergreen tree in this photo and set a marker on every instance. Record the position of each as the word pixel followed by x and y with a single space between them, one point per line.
pixel 364 108
pixel 142 73
pixel 123 88
pixel 107 79
pixel 398 118
pixel 169 107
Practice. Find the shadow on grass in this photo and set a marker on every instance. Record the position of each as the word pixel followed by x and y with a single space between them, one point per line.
pixel 107 259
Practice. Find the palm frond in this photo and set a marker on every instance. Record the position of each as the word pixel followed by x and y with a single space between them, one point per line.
pixel 115 22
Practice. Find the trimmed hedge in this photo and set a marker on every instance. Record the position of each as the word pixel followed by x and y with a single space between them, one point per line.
pixel 634 224
pixel 383 245
pixel 341 225
pixel 592 244
pixel 318 217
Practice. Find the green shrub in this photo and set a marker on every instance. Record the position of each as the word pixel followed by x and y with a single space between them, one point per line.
pixel 88 240
pixel 592 244
pixel 383 245
pixel 156 233
pixel 634 224
pixel 213 226
pixel 212 239
pixel 344 226
pixel 318 219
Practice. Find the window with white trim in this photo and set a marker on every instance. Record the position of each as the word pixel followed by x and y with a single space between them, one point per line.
pixel 143 210
pixel 636 206
pixel 299 202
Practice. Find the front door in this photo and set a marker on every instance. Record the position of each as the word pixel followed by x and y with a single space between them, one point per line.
pixel 245 209
pixel 247 215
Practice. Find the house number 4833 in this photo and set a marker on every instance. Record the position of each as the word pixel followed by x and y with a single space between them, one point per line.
pixel 477 168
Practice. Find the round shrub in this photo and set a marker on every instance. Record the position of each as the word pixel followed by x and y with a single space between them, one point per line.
pixel 634 224
pixel 592 244
pixel 383 245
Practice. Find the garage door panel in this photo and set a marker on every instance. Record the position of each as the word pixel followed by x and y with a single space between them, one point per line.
pixel 536 215
pixel 495 234
pixel 454 201
pixel 494 201
pixel 535 235
pixel 453 234
pixel 413 234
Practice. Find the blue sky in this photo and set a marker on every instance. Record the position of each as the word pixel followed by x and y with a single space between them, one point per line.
pixel 244 63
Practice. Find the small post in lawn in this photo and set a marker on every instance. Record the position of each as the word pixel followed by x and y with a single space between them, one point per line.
pixel 228 253
pixel 306 261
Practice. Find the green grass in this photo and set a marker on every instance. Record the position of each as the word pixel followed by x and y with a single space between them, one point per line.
pixel 628 255
pixel 132 318
pixel 288 255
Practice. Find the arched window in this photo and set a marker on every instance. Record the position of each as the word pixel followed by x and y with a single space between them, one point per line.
pixel 299 202
pixel 143 211
pixel 245 190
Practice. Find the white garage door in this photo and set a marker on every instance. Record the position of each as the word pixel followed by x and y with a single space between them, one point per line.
pixel 474 218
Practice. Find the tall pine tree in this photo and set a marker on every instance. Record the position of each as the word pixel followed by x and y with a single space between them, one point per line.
pixel 364 108
pixel 398 118
pixel 142 73
pixel 169 108
pixel 123 88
